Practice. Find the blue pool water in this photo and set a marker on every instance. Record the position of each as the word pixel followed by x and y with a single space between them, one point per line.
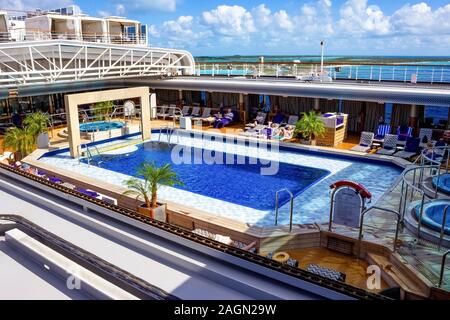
pixel 239 191
pixel 241 184
pixel 433 215
pixel 100 126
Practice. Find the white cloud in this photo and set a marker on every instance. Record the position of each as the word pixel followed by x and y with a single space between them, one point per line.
pixel 142 5
pixel 230 21
pixel 103 13
pixel 357 18
pixel 355 26
pixel 421 19
pixel 120 9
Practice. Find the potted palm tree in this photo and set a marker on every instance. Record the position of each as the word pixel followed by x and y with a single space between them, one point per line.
pixel 310 127
pixel 102 110
pixel 145 187
pixel 20 141
pixel 38 123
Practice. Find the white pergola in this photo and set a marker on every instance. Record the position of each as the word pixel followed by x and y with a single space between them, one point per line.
pixel 72 101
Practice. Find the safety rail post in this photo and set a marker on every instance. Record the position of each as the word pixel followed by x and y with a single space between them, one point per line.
pixel 441 274
pixel 361 224
pixel 444 219
pixel 291 212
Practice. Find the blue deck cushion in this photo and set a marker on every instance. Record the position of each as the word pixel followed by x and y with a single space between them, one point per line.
pixel 404 132
pixel 412 144
pixel 89 193
pixel 382 130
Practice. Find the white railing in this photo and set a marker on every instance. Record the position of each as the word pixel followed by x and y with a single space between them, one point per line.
pixel 374 73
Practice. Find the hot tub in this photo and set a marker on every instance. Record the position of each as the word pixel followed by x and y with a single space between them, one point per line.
pixel 443 184
pixel 100 126
pixel 433 213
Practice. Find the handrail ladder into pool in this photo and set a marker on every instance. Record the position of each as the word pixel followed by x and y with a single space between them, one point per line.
pixel 170 130
pixel 441 274
pixel 360 190
pixel 361 224
pixel 291 209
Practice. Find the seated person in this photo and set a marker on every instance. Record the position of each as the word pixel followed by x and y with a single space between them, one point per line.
pixel 225 120
pixel 278 118
pixel 285 133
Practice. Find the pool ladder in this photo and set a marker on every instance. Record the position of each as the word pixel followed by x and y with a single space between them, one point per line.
pixel 291 212
pixel 89 154
pixel 170 130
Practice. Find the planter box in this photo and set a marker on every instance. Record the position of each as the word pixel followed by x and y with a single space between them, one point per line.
pixel 158 213
pixel 43 141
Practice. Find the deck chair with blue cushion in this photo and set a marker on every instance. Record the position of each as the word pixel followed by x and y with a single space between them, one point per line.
pixel 382 131
pixel 411 148
pixel 404 132
pixel 389 145
pixel 292 120
pixel 195 112
pixel 163 112
pixel 365 142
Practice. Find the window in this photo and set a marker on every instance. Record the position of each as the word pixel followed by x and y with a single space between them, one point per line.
pixel 436 116
pixel 388 112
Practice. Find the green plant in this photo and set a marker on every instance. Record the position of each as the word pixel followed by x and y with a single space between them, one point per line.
pixel 20 140
pixel 37 123
pixel 310 126
pixel 102 110
pixel 152 177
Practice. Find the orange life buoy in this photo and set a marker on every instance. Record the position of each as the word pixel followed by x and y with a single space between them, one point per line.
pixel 354 185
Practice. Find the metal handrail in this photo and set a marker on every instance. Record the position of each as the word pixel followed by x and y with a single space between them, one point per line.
pixel 441 275
pixel 444 219
pixel 291 212
pixel 414 188
pixel 361 223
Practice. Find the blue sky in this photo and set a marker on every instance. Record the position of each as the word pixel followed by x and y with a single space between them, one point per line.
pixel 219 27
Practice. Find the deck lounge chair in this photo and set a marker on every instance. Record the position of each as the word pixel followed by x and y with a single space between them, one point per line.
pixel 425 132
pixel 292 120
pixel 365 142
pixel 162 112
pixel 403 133
pixel 205 114
pixel 389 145
pixel 382 131
pixel 411 148
pixel 195 112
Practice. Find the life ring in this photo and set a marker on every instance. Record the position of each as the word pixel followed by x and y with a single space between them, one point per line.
pixel 281 257
pixel 354 185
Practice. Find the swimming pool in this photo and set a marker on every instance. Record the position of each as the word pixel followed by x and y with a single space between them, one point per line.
pixel 239 191
pixel 100 126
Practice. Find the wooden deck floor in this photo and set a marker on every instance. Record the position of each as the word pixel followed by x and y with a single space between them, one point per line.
pixel 355 269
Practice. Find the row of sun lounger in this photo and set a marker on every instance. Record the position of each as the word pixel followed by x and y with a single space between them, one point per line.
pixel 173 112
pixel 56 180
pixel 402 144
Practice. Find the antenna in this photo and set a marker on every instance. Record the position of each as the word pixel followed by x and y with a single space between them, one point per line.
pixel 321 56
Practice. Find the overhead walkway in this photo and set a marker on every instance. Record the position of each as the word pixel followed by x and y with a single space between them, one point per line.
pixel 62 61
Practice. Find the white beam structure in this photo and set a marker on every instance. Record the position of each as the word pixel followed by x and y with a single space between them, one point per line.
pixel 58 61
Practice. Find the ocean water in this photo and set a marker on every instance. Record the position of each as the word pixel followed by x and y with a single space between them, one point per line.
pixel 428 60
